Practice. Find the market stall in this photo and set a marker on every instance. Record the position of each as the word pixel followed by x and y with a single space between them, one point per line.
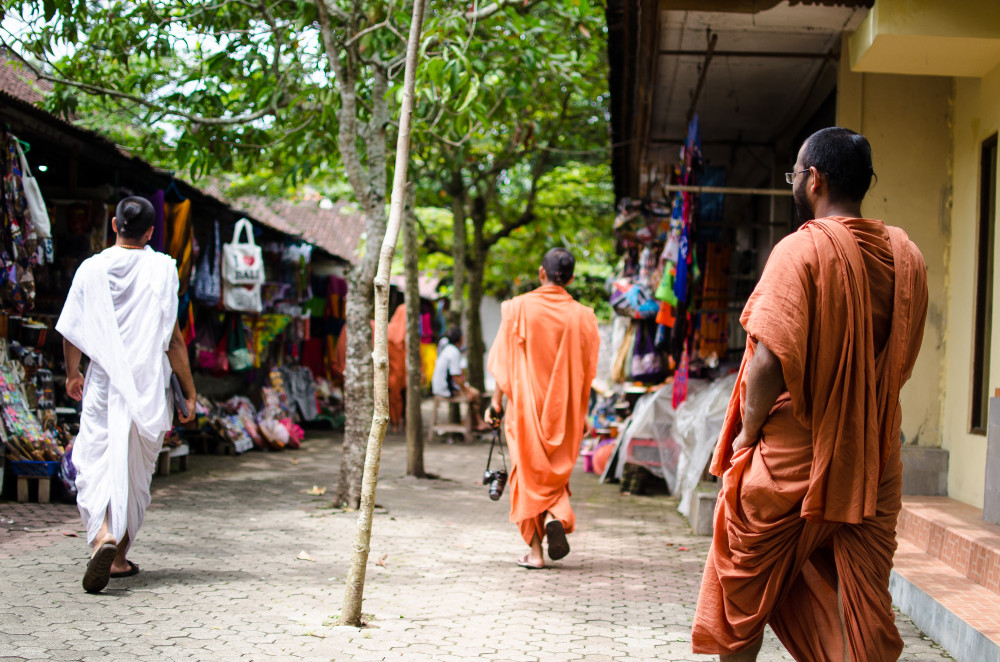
pixel 60 186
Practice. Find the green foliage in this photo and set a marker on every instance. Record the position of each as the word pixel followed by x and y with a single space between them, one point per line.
pixel 574 210
pixel 512 108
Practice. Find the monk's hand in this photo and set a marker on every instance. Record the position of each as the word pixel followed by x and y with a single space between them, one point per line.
pixel 745 440
pixel 190 407
pixel 74 386
pixel 493 417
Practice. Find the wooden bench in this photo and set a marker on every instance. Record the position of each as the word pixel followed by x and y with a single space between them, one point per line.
pixel 166 454
pixel 440 430
pixel 44 488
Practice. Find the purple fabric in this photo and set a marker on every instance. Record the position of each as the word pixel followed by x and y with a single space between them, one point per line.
pixel 159 225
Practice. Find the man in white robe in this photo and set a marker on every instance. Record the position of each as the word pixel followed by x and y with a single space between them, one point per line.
pixel 121 312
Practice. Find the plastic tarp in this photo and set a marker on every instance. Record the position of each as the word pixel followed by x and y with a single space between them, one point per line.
pixel 697 424
pixel 648 438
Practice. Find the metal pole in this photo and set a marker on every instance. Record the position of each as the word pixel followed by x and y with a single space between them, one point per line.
pixel 733 190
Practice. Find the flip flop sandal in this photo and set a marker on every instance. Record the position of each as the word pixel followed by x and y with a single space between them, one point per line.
pixel 133 569
pixel 99 568
pixel 523 563
pixel 556 535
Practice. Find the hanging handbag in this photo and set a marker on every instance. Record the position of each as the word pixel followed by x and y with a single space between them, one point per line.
pixel 204 348
pixel 239 355
pixel 647 362
pixel 207 280
pixel 36 205
pixel 222 355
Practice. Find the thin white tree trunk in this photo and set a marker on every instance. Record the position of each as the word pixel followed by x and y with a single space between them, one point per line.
pixel 354 591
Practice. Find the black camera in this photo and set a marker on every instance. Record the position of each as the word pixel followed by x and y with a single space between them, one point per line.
pixel 497 480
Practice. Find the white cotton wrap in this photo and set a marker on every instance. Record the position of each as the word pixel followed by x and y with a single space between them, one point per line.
pixel 120 312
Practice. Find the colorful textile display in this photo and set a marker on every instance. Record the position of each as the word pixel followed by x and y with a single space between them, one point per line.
pixel 17 236
pixel 181 233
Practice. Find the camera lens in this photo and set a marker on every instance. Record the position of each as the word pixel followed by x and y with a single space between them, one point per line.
pixel 498 483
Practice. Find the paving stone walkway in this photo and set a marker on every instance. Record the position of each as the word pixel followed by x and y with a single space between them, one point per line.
pixel 223 576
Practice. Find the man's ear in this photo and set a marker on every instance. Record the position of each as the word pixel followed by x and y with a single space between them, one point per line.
pixel 541 274
pixel 149 235
pixel 571 279
pixel 114 224
pixel 818 180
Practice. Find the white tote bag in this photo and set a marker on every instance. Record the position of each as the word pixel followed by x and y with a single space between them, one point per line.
pixel 242 298
pixel 36 205
pixel 242 261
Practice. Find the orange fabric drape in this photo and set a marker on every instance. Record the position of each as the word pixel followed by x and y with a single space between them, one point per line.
pixel 180 242
pixel 544 359
pixel 397 364
pixel 813 505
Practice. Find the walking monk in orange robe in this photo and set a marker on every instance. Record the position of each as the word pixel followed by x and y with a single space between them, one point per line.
pixel 805 526
pixel 544 359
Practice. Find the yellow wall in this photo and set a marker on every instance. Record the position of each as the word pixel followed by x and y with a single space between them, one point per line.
pixel 907 120
pixel 977 117
pixel 928 37
pixel 926 133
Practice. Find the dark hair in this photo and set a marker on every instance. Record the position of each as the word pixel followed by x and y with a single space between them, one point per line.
pixel 845 157
pixel 134 216
pixel 559 264
pixel 454 335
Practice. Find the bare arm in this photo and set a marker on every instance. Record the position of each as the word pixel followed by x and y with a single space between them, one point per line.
pixel 765 382
pixel 74 379
pixel 178 356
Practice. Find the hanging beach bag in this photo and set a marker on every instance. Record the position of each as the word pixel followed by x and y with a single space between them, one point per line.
pixel 242 271
pixel 239 355
pixel 36 205
pixel 242 298
pixel 242 261
pixel 207 280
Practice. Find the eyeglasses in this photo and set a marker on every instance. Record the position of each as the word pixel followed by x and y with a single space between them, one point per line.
pixel 790 176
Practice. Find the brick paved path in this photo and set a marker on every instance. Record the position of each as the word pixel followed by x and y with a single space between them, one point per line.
pixel 220 579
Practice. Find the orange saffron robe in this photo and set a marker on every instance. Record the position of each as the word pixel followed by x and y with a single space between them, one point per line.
pixel 544 359
pixel 397 364
pixel 396 349
pixel 811 508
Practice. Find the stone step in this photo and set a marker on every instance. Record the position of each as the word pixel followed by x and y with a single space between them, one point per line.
pixel 955 534
pixel 955 611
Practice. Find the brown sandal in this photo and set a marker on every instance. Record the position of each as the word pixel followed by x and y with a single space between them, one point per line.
pixel 99 568
pixel 556 535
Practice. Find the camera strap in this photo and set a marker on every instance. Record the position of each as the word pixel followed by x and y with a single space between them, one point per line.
pixel 496 440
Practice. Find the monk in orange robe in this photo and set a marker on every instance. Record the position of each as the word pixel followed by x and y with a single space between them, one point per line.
pixel 544 359
pixel 809 454
pixel 397 365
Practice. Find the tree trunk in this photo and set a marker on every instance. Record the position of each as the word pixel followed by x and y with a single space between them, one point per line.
pixel 357 374
pixel 353 593
pixel 476 267
pixel 414 424
pixel 458 251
